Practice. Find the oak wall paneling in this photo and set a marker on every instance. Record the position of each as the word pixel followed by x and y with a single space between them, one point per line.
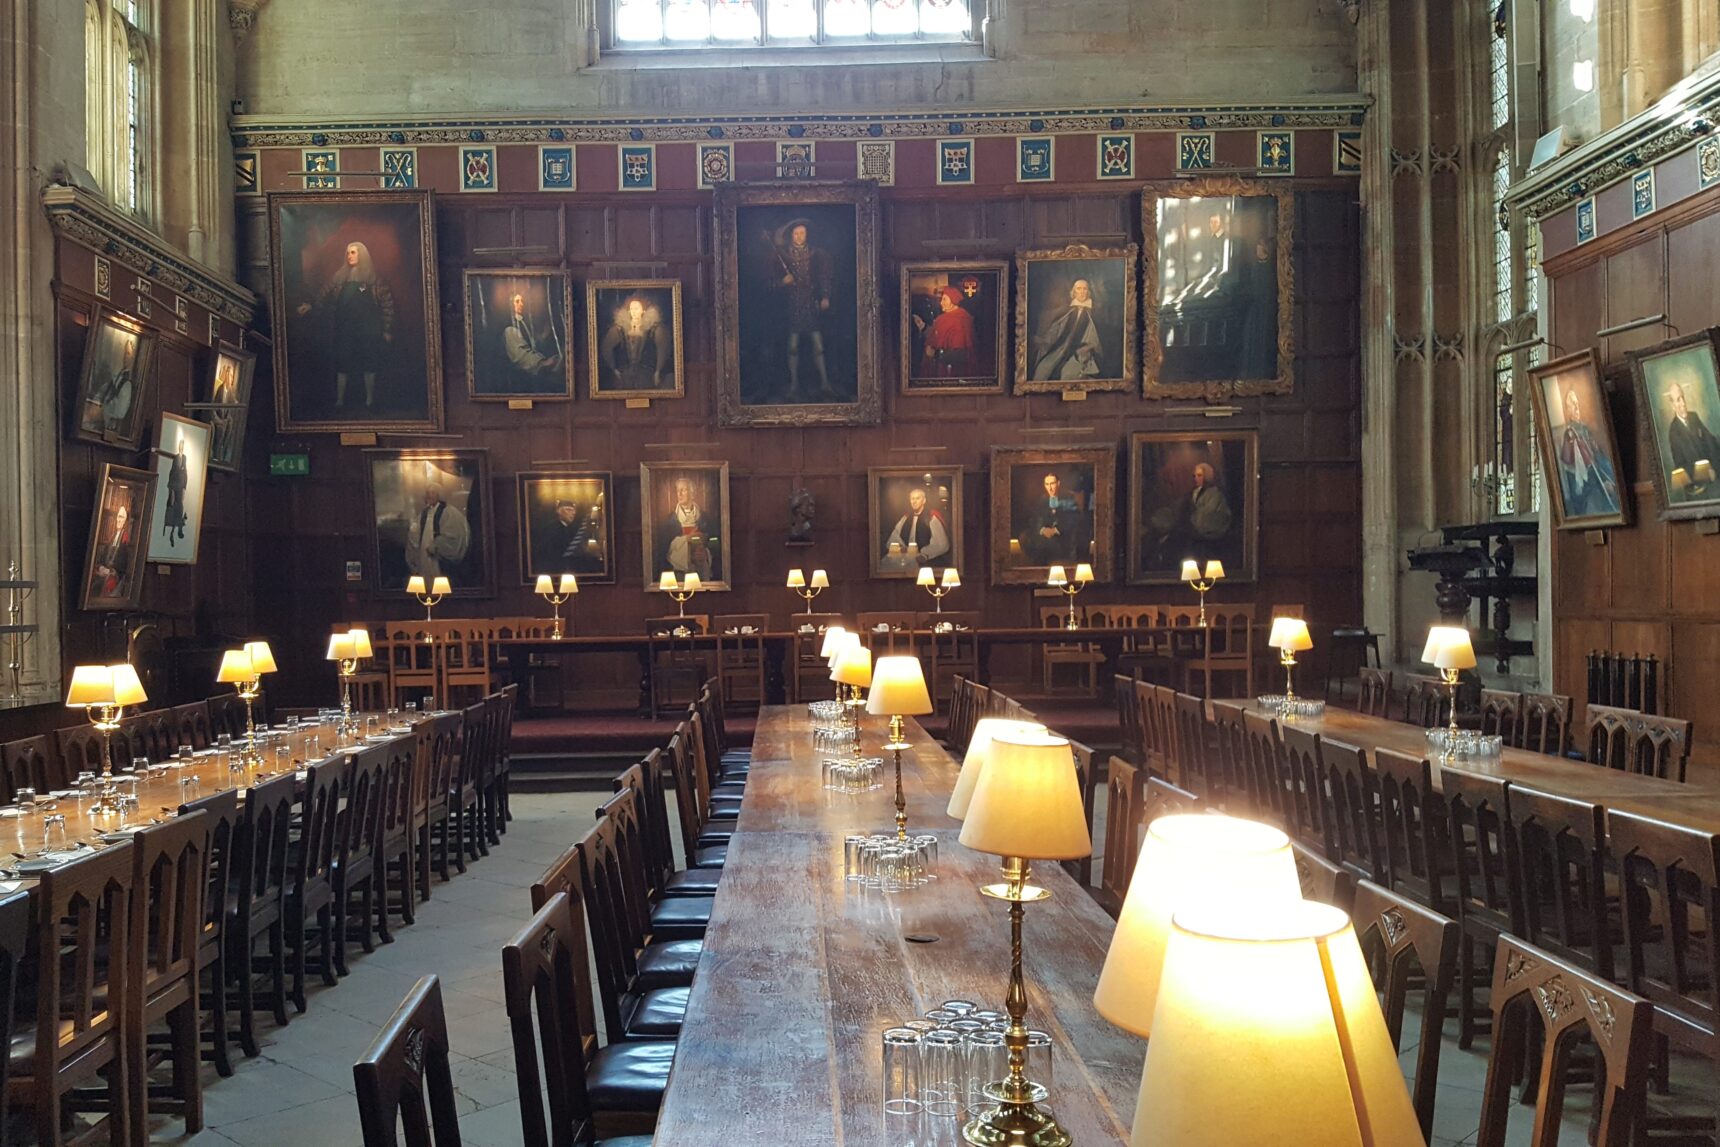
pixel 1310 445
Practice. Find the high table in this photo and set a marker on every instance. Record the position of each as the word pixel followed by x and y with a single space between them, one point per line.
pixel 802 970
pixel 1691 804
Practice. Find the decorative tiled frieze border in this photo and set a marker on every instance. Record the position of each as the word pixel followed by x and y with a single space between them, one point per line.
pixel 272 131
pixel 86 220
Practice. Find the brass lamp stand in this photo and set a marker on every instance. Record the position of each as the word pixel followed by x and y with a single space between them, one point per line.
pixel 1289 636
pixel 1201 581
pixel 1057 579
pixel 106 719
pixel 429 599
pixel 898 690
pixel 682 591
pixel 808 590
pixel 929 582
pixel 556 596
pixel 103 692
pixel 1449 650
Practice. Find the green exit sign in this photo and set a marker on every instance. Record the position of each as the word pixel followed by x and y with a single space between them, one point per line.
pixel 289 465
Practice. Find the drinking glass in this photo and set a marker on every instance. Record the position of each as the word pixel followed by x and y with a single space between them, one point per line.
pixel 190 788
pixel 922 1026
pixel 960 1007
pixel 943 1074
pixel 139 765
pixel 54 832
pixel 967 1026
pixel 283 758
pixel 989 1017
pixel 987 1061
pixel 224 741
pixel 292 724
pixel 901 1085
pixel 393 715
pixel 851 848
pixel 370 725
pixel 25 797
pixel 1039 1058
pixel 411 709
pixel 942 1017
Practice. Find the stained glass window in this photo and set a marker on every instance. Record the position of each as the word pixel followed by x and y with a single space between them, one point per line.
pixel 787 23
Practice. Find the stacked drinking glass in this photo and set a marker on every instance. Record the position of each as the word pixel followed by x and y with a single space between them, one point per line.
pixel 936 1069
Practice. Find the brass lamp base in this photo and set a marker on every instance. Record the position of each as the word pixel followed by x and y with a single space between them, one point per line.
pixel 1015 1122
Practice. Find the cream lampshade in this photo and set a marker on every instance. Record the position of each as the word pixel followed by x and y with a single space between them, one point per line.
pixel 820 579
pixel 1190 570
pixel 833 641
pixel 262 658
pixel 94 685
pixel 235 668
pixel 127 689
pixel 898 688
pixel 1056 577
pixel 1214 570
pixel 796 579
pixel 978 755
pixel 544 584
pixel 340 647
pixel 1449 647
pixel 415 584
pixel 667 582
pixel 360 642
pixel 690 583
pixel 853 665
pixel 440 586
pixel 1186 860
pixel 1083 574
pixel 1290 633
pixel 952 579
pixel 569 585
pixel 1281 996
pixel 927 576
pixel 1027 803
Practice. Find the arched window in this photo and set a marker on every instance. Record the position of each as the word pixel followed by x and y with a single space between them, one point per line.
pixel 120 54
pixel 786 23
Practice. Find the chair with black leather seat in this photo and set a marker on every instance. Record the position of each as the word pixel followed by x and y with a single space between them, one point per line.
pixel 510 700
pixel 1123 801
pixel 309 901
pixel 1352 812
pixel 699 850
pixel 731 763
pixel 717 818
pixel 590 1090
pixel 259 904
pixel 1413 821
pixel 170 875
pixel 430 810
pixel 1299 777
pixel 1227 756
pixel 221 818
pixel 354 875
pixel 661 876
pixel 1264 774
pixel 395 867
pixel 82 911
pixel 1406 942
pixel 1483 852
pixel 670 959
pixel 1561 877
pixel 627 1014
pixel 404 1081
pixel 26 764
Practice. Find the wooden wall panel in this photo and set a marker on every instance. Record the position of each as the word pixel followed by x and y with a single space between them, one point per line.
pixel 1311 537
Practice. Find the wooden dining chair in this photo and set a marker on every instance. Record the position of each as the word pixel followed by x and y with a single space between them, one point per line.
pixel 1161 798
pixel 650 959
pixel 1669 878
pixel 1321 879
pixel 1405 944
pixel 507 708
pixel 414 660
pixel 1484 862
pixel 355 876
pixel 1128 717
pixel 404 1080
pixel 77 749
pixel 1606 735
pixel 396 867
pixel 1502 714
pixel 1426 701
pixel 678 664
pixel 27 764
pixel 1083 656
pixel 1660 746
pixel 662 878
pixel 191 725
pixel 221 817
pixel 1123 804
pixel 430 807
pixel 1352 818
pixel 1299 776
pixel 1413 820
pixel 259 905
pixel 170 879
pixel 741 660
pixel 1374 698
pixel 82 913
pixel 1536 992
pixel 1082 868
pixel 226 715
pixel 15 923
pixel 1228 757
pixel 1560 847
pixel 953 639
pixel 310 902
pixel 699 850
pixel 898 634
pixel 1546 723
pixel 1265 772
pixel 1194 757
pixel 1229 650
pixel 589 1090
pixel 468 665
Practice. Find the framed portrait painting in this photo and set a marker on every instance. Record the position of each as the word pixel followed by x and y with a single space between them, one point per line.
pixel 430 517
pixel 915 513
pixel 565 526
pixel 1218 279
pixel 119 364
pixel 633 336
pixel 1052 506
pixel 1579 452
pixel 518 343
pixel 113 569
pixel 684 510
pixel 954 327
pixel 797 304
pixel 226 405
pixel 1676 384
pixel 358 344
pixel 1193 495
pixel 1075 319
pixel 181 479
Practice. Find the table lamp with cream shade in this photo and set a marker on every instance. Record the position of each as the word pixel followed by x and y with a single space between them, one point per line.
pixel 852 667
pixel 428 598
pixel 556 594
pixel 939 588
pixel 1057 578
pixel 978 755
pixel 682 590
pixel 1280 995
pixel 835 637
pixel 1289 637
pixel 346 649
pixel 103 692
pixel 1450 651
pixel 898 690
pixel 243 668
pixel 1195 859
pixel 1026 806
pixel 808 589
pixel 1201 579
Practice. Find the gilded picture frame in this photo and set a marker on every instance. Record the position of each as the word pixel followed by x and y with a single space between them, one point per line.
pixel 118 547
pixel 891 530
pixel 181 485
pixel 1686 369
pixel 1035 524
pixel 1193 494
pixel 1075 319
pixel 631 327
pixel 1579 450
pixel 581 541
pixel 227 408
pixel 789 354
pixel 1225 280
pixel 519 334
pixel 114 381
pixel 680 531
pixel 934 361
pixel 442 493
pixel 354 361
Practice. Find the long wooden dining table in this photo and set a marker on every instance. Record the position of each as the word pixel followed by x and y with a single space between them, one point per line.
pixel 803 970
pixel 1692 804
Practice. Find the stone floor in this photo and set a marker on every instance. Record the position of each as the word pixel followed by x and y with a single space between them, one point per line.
pixel 299 1091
